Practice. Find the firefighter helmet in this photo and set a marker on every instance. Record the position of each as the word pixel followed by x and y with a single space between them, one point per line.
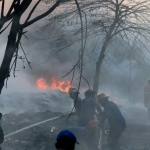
pixel 89 92
pixel 102 96
pixel 73 90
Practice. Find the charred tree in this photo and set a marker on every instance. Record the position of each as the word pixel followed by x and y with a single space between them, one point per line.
pixel 15 12
pixel 103 49
pixel 109 19
pixel 127 20
pixel 11 44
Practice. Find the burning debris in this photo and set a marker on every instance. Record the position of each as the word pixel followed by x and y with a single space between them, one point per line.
pixel 53 85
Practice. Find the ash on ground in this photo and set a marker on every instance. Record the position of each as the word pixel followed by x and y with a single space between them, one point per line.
pixel 43 136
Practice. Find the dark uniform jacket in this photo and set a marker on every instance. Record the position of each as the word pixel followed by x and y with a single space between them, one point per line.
pixel 87 110
pixel 77 104
pixel 113 115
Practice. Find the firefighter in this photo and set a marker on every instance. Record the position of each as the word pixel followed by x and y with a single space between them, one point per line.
pixel 84 135
pixel 115 119
pixel 147 98
pixel 73 92
pixel 66 140
pixel 87 108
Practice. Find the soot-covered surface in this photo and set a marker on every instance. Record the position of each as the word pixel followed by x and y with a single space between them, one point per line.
pixel 136 136
pixel 35 138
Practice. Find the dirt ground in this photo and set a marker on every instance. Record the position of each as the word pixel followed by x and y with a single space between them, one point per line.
pixel 41 137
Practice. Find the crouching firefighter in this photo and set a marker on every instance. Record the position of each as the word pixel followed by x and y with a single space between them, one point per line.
pixel 86 135
pixel 115 119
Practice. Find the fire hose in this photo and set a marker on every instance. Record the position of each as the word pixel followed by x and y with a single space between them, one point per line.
pixel 36 124
pixel 42 122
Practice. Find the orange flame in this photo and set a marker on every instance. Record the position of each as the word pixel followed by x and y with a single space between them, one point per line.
pixel 55 84
pixel 41 83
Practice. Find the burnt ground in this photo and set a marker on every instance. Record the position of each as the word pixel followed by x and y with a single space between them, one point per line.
pixel 36 138
pixel 136 136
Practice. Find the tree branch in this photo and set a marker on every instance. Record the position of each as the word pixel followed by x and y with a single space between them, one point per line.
pixel 32 11
pixel 5 27
pixel 2 11
pixel 121 2
pixel 25 56
pixel 41 16
pixel 11 8
pixel 21 8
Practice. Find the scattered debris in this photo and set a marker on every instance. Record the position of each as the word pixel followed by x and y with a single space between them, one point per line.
pixel 52 129
pixel 43 136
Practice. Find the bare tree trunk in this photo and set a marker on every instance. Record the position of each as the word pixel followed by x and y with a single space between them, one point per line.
pixel 98 65
pixel 101 57
pixel 10 50
pixel 12 38
pixel 97 75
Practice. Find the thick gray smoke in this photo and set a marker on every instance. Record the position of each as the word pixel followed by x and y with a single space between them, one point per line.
pixel 18 102
pixel 122 76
